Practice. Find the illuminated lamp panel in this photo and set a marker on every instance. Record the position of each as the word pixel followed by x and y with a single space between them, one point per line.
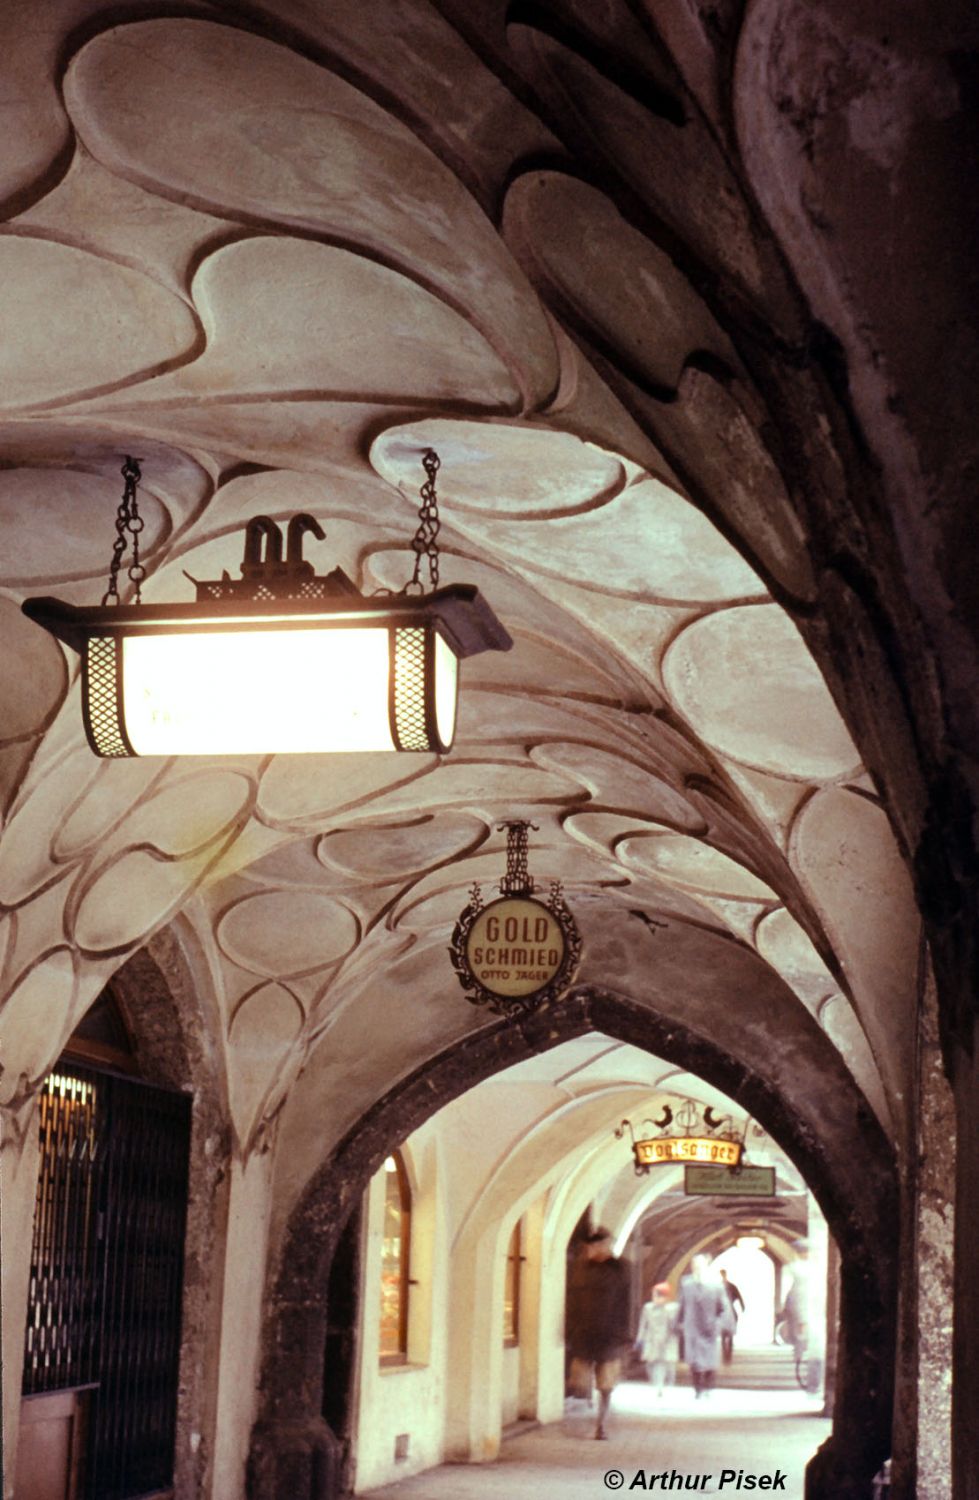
pixel 270 692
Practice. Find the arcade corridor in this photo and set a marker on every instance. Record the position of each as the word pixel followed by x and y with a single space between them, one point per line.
pixel 735 1437
pixel 564 411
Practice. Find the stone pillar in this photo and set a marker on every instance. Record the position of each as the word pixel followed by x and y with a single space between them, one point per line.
pixel 474 1394
pixel 18 1188
pixel 935 1228
pixel 553 1302
pixel 965 1377
pixel 922 1462
pixel 832 1325
pixel 245 1251
pixel 299 1460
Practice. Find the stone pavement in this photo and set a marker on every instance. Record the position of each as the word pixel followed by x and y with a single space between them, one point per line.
pixel 677 1437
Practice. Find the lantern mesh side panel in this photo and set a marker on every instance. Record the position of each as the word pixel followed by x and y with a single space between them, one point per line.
pixel 409 690
pixel 102 697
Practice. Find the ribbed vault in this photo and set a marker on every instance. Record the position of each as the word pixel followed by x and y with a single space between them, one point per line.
pixel 678 293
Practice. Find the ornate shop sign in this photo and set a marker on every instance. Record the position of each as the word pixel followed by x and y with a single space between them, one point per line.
pixel 686 1148
pixel 685 1136
pixel 518 951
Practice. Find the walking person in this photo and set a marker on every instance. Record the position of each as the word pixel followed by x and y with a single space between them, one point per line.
pixel 793 1322
pixel 730 1325
pixel 795 1310
pixel 656 1340
pixel 702 1308
pixel 598 1321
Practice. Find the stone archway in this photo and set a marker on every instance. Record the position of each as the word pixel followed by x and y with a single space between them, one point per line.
pixel 847 1161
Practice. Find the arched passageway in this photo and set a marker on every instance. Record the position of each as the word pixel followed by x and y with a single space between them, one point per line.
pixel 682 295
pixel 839 1152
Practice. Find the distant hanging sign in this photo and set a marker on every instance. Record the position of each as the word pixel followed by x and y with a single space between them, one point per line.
pixel 687 1148
pixel 688 1134
pixel 721 1182
pixel 516 952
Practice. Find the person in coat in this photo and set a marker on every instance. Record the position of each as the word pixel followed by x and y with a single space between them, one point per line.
pixel 702 1310
pixel 598 1320
pixel 794 1316
pixel 731 1324
pixel 656 1341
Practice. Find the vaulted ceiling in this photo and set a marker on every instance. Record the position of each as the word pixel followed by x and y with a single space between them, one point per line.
pixel 607 265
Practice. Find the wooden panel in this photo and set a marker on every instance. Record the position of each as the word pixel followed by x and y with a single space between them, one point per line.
pixel 51 1445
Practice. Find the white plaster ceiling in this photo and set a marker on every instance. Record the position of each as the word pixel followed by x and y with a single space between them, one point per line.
pixel 549 1125
pixel 277 267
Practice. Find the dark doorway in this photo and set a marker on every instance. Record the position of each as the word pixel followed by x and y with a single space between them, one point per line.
pixel 107 1269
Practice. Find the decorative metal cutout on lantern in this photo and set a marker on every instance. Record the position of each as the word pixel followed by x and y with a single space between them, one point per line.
pixel 518 951
pixel 686 1135
pixel 280 660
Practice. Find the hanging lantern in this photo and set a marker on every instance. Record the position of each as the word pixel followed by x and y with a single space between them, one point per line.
pixel 280 660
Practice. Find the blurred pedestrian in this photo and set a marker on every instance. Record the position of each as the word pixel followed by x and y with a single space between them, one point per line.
pixel 702 1307
pixel 656 1340
pixel 730 1325
pixel 598 1321
pixel 794 1316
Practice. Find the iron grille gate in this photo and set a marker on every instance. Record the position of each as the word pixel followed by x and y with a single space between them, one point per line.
pixel 107 1269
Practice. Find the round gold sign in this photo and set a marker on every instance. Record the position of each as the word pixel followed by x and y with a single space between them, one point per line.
pixel 515 946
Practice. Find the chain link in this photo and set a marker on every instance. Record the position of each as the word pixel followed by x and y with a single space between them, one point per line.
pixel 425 541
pixel 129 524
pixel 518 880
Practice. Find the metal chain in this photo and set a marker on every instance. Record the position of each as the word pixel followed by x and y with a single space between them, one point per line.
pixel 518 880
pixel 129 524
pixel 425 541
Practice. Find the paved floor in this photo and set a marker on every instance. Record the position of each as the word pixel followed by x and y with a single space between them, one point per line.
pixel 676 1442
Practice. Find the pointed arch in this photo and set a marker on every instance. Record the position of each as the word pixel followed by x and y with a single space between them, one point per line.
pixel 842 1153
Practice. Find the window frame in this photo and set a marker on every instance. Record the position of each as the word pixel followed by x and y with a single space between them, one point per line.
pixel 511 1285
pixel 398 1356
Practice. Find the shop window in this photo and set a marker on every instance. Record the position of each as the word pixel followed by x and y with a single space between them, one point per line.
pixel 395 1258
pixel 511 1288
